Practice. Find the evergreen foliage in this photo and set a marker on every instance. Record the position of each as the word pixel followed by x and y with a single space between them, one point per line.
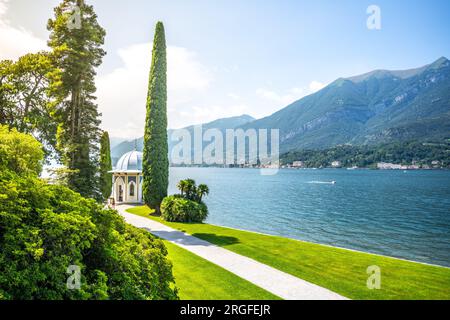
pixel 155 158
pixel 105 166
pixel 77 52
pixel 46 228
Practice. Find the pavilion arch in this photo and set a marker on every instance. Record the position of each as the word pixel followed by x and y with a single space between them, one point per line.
pixel 119 186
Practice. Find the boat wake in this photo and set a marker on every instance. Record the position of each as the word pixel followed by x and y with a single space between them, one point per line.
pixel 322 182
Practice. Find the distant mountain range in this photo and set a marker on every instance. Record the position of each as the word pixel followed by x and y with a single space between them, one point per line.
pixel 220 124
pixel 377 107
pixel 381 106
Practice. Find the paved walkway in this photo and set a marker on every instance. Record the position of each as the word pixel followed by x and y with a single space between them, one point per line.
pixel 275 281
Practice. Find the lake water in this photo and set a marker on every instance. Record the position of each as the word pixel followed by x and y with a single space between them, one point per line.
pixel 394 213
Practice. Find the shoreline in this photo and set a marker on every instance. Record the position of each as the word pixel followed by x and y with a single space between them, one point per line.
pixel 324 245
pixel 338 269
pixel 325 168
pixel 331 246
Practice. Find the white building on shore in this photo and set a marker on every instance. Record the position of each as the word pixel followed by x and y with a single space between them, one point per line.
pixel 298 164
pixel 336 164
pixel 393 166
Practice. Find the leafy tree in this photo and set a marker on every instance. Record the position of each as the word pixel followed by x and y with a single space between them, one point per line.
pixel 77 52
pixel 105 166
pixel 26 101
pixel 45 228
pixel 5 70
pixel 155 158
pixel 19 153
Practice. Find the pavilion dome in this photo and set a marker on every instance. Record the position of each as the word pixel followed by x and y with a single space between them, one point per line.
pixel 130 161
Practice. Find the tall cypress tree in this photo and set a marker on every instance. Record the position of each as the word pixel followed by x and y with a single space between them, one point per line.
pixel 76 39
pixel 155 159
pixel 105 166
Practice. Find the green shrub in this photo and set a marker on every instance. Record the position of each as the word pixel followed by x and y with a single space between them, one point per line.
pixel 45 228
pixel 178 209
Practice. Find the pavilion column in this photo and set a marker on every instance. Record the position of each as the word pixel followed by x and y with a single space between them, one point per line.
pixel 138 184
pixel 126 189
pixel 113 187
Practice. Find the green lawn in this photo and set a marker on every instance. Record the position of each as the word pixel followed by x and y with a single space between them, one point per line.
pixel 342 271
pixel 199 279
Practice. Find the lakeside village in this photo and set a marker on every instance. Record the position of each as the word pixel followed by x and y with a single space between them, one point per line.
pixel 426 156
pixel 333 165
pixel 379 165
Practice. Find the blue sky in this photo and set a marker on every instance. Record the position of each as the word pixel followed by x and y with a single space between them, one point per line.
pixel 232 57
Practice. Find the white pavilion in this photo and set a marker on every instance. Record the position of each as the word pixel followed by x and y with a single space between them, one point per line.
pixel 127 178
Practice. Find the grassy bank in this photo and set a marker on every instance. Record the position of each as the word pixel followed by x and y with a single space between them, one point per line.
pixel 342 271
pixel 199 279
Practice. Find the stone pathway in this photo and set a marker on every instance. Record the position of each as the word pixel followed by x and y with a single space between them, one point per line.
pixel 275 281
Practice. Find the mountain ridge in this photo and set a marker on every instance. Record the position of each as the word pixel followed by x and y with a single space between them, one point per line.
pixel 223 123
pixel 379 106
pixel 376 107
pixel 403 74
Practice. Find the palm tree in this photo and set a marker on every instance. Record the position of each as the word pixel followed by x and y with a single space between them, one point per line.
pixel 190 189
pixel 202 190
pixel 182 186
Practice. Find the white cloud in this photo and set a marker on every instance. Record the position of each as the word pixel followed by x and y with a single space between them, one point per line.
pixel 315 86
pixel 16 41
pixel 3 7
pixel 122 92
pixel 274 96
pixel 290 95
pixel 191 98
pixel 185 72
pixel 204 114
pixel 234 96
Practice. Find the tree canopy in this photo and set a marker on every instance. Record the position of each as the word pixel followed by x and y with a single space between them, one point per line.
pixel 26 96
pixel 19 153
pixel 105 166
pixel 418 152
pixel 45 229
pixel 77 51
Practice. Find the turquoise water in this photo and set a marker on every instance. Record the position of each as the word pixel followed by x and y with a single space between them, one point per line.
pixel 395 213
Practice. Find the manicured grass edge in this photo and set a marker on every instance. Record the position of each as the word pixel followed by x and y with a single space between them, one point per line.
pixel 199 279
pixel 338 269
